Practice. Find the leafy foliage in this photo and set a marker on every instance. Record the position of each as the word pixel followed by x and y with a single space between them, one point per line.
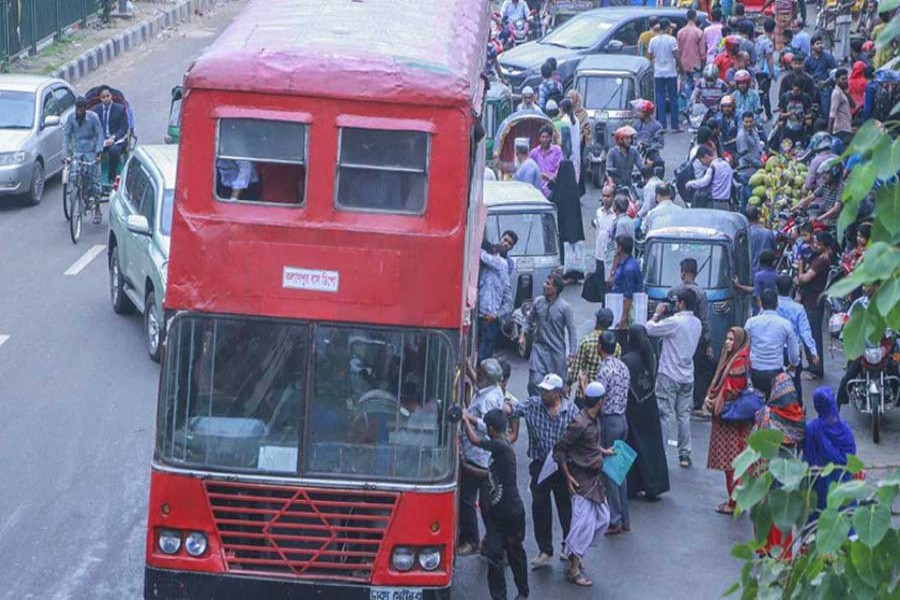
pixel 849 551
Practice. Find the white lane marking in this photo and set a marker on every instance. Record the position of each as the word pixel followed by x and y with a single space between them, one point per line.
pixel 3 339
pixel 85 259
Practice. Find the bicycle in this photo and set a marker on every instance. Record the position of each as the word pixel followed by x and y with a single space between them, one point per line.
pixel 79 199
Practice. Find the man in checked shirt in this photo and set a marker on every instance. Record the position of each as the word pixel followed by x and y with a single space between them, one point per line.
pixel 547 417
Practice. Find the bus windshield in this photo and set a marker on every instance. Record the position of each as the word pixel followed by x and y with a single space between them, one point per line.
pixel 663 264
pixel 293 398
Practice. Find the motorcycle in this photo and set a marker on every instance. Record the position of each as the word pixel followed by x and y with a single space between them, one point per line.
pixel 520 31
pixel 875 391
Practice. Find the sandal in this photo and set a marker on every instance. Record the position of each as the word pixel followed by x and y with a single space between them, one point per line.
pixel 724 509
pixel 580 580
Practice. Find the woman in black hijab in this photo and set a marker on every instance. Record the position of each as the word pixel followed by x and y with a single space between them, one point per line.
pixel 649 476
pixel 571 231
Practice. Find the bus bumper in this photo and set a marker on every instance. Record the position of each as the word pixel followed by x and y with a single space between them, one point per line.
pixel 165 584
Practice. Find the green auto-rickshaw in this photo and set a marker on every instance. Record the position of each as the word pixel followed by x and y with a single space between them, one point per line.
pixel 498 105
pixel 173 129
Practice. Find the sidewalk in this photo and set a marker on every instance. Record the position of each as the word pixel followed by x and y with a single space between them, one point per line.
pixel 87 49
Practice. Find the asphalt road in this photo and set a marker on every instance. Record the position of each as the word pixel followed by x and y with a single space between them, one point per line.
pixel 78 395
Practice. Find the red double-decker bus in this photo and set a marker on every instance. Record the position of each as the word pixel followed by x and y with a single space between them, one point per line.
pixel 324 245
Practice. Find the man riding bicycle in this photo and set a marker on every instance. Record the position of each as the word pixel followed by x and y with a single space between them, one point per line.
pixel 83 141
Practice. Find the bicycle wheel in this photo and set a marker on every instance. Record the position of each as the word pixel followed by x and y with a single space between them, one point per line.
pixel 66 190
pixel 76 210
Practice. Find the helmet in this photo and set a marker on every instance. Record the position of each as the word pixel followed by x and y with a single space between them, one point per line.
pixel 742 76
pixel 624 132
pixel 820 141
pixel 732 42
pixel 838 146
pixel 81 101
pixel 710 71
pixel 834 166
pixel 868 46
pixel 837 321
pixel 787 59
pixel 727 99
pixel 643 106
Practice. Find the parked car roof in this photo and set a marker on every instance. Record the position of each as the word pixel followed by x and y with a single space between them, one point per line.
pixel 699 222
pixel 26 83
pixel 164 158
pixel 502 194
pixel 618 13
pixel 613 62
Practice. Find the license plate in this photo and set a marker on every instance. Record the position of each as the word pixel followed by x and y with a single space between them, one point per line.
pixel 395 593
pixel 525 264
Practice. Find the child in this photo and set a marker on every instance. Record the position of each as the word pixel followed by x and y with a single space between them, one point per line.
pixel 508 398
pixel 506 516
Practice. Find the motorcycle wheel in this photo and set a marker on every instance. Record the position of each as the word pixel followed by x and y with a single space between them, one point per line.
pixel 876 423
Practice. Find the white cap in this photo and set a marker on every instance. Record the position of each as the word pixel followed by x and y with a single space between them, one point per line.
pixel 527 90
pixel 551 105
pixel 551 383
pixel 595 389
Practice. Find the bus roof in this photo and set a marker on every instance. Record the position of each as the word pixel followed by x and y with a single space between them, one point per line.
pixel 410 51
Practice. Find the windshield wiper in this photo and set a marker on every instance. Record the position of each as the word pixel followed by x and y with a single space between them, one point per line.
pixel 703 266
pixel 558 45
pixel 4 126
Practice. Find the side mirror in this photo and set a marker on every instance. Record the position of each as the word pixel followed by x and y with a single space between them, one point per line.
pixel 454 413
pixel 615 46
pixel 51 121
pixel 177 93
pixel 138 224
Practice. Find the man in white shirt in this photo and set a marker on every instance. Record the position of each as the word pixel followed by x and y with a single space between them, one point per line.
pixel 664 205
pixel 662 51
pixel 604 222
pixel 680 334
pixel 513 10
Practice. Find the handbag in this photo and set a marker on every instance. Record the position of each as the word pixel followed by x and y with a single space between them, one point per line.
pixel 594 288
pixel 743 409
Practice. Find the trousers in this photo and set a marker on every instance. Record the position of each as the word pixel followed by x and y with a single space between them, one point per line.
pixel 505 536
pixel 666 93
pixel 542 506
pixel 615 427
pixel 471 488
pixel 675 403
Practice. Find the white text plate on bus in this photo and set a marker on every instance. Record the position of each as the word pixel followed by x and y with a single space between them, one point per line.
pixel 310 279
pixel 386 593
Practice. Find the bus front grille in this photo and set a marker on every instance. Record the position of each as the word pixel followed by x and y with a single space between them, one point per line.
pixel 304 533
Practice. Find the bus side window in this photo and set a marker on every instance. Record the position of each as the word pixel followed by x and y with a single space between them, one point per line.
pixel 261 161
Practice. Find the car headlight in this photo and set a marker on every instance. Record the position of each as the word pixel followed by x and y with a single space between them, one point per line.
pixel 403 559
pixel 430 558
pixel 12 158
pixel 874 355
pixel 195 543
pixel 169 541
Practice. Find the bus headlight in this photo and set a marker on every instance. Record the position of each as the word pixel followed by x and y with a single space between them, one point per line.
pixel 169 541
pixel 403 559
pixel 195 543
pixel 430 558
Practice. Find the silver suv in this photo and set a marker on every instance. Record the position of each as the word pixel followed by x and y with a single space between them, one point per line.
pixel 140 222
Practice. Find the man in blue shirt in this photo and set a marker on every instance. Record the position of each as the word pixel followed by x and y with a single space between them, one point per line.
pixel 528 170
pixel 627 277
pixel 819 65
pixel 795 313
pixel 513 10
pixel 770 334
pixel 493 279
pixel 761 238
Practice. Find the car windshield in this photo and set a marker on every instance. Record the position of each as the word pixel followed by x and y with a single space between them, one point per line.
pixel 16 110
pixel 605 92
pixel 663 263
pixel 168 203
pixel 301 399
pixel 579 33
pixel 536 231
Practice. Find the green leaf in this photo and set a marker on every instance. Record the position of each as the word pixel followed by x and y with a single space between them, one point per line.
pixel 854 464
pixel 742 551
pixel 880 260
pixel 888 296
pixel 887 35
pixel 761 517
pixel 888 5
pixel 864 564
pixel 831 531
pixel 845 285
pixel 788 471
pixel 848 491
pixel 854 340
pixel 862 178
pixel 744 461
pixel 732 589
pixel 871 523
pixel 874 326
pixel 786 507
pixel 767 442
pixel 887 208
pixel 887 494
pixel 886 158
pixel 828 470
pixel 750 492
pixel 866 138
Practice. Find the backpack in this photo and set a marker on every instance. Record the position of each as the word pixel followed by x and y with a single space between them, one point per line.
pixel 887 96
pixel 683 174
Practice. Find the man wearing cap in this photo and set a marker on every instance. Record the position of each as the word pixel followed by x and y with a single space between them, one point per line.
pixel 83 140
pixel 547 416
pixel 528 170
pixel 527 102
pixel 551 323
pixel 579 454
pixel 587 359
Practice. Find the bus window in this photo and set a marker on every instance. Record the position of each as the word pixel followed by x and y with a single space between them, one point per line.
pixel 261 161
pixel 383 171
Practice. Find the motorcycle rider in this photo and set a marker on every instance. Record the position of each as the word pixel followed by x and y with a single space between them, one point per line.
pixel 709 90
pixel 727 124
pixel 83 140
pixel 820 144
pixel 854 366
pixel 621 160
pixel 746 99
pixel 793 64
pixel 513 10
pixel 649 134
pixel 828 195
pixel 796 115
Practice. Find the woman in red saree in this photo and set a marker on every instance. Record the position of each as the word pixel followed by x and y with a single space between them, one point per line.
pixel 726 439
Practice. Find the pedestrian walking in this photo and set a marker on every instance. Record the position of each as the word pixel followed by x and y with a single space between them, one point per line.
pixel 627 278
pixel 840 117
pixel 587 358
pixel 579 455
pixel 691 53
pixel 761 237
pixel 551 323
pixel 528 170
pixel 680 334
pixel 649 475
pixel 547 417
pixel 567 199
pixel 795 313
pixel 616 380
pixel 770 336
pixel 828 440
pixel 728 439
pixel 506 517
pixel 603 228
pixel 473 485
pixel 812 281
pixel 662 50
pixel 703 366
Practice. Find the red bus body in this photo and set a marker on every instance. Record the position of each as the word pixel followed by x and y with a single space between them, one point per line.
pixel 306 269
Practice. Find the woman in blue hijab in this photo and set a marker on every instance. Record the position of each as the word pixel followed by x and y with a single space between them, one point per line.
pixel 828 440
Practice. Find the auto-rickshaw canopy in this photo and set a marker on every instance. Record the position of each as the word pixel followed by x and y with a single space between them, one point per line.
pixel 520 124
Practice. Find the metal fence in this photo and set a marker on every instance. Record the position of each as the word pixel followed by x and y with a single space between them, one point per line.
pixel 24 24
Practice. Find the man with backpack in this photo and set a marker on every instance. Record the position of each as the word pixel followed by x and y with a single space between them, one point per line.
pixel 716 184
pixel 550 88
